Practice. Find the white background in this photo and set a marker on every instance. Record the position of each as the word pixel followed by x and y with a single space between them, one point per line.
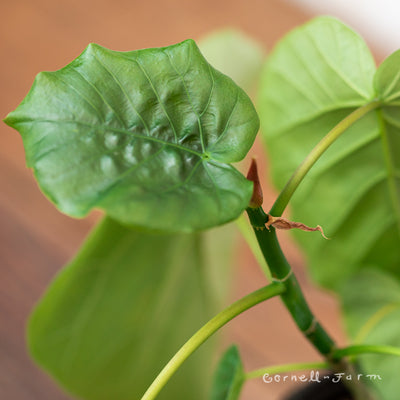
pixel 378 21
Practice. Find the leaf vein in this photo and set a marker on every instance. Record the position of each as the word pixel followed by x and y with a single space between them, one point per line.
pixel 80 94
pixel 114 77
pixel 190 101
pixel 214 185
pixel 334 69
pixel 390 88
pixel 117 130
pixel 211 91
pixel 101 96
pixel 320 83
pixel 227 122
pixel 302 91
pixel 158 98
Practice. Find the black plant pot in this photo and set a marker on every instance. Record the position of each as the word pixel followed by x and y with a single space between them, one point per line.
pixel 324 390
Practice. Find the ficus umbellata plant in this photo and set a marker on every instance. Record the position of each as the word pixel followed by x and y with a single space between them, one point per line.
pixel 151 138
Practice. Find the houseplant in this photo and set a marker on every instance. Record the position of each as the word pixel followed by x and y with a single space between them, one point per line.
pixel 149 136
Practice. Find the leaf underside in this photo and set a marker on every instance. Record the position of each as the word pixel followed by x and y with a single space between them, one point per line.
pixel 315 77
pixel 119 311
pixel 371 305
pixel 148 136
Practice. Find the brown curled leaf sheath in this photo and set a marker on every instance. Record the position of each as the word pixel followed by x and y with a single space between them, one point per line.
pixel 257 196
pixel 283 223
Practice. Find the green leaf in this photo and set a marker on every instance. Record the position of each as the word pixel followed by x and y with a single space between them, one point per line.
pixel 229 376
pixel 371 305
pixel 368 293
pixel 146 135
pixel 317 76
pixel 121 309
pixel 387 80
pixel 317 68
pixel 236 55
pixel 387 84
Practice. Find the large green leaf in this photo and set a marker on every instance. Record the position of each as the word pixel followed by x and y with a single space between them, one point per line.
pixel 146 135
pixel 371 304
pixel 115 315
pixel 315 77
pixel 229 376
pixel 317 68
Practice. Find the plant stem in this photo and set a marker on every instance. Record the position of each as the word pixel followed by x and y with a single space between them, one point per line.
pixel 365 348
pixel 277 369
pixel 301 171
pixel 280 269
pixel 282 272
pixel 295 302
pixel 274 289
pixel 251 241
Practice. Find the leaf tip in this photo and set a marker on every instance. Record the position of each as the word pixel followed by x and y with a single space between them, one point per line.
pixel 257 196
pixel 190 41
pixel 319 228
pixel 9 120
pixel 95 46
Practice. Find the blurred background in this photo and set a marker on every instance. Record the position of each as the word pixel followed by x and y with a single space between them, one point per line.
pixel 36 240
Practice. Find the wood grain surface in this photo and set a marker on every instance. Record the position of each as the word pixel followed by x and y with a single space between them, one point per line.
pixel 36 240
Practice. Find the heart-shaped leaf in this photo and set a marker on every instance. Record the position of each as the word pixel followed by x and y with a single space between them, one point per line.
pixel 317 76
pixel 318 68
pixel 229 376
pixel 119 311
pixel 146 135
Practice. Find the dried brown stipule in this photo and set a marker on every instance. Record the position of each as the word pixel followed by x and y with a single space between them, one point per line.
pixel 283 223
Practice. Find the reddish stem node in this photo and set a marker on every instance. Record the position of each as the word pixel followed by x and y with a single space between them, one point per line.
pixel 257 196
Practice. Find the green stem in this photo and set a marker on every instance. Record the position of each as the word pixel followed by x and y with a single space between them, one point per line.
pixel 280 269
pixel 251 241
pixel 282 272
pixel 296 304
pixel 363 349
pixel 212 326
pixel 295 180
pixel 277 369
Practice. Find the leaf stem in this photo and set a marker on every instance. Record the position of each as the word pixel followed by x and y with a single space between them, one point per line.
pixel 251 241
pixel 293 297
pixel 296 304
pixel 277 369
pixel 301 171
pixel 364 349
pixel 212 326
